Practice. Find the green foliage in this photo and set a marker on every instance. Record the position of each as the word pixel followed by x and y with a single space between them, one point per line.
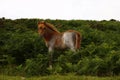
pixel 22 52
pixel 92 66
pixel 58 77
pixel 36 66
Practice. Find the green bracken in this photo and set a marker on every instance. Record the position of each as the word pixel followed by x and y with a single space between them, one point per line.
pixel 23 52
pixel 59 77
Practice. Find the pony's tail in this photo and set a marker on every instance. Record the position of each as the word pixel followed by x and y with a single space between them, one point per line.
pixel 78 41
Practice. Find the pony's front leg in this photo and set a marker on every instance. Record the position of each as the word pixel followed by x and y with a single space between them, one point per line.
pixel 50 57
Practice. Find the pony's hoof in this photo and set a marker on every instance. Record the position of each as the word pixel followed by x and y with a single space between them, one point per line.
pixel 50 67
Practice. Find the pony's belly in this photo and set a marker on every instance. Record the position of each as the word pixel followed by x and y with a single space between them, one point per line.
pixel 60 45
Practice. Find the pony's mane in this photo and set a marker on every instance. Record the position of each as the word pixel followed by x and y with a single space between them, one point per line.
pixel 50 26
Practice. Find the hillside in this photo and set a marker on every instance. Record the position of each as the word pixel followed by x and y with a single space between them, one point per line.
pixel 22 52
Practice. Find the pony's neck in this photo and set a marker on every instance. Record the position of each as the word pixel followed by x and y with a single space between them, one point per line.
pixel 49 35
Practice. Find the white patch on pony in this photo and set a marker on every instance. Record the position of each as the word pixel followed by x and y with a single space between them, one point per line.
pixel 68 40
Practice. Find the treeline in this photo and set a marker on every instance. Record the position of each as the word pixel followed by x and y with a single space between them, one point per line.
pixel 22 52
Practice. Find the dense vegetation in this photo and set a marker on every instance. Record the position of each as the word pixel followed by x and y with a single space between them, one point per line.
pixel 59 77
pixel 22 52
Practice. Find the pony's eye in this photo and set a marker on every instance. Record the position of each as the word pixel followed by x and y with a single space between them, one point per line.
pixel 44 28
pixel 40 28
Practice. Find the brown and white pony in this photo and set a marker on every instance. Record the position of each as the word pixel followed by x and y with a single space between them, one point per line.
pixel 54 39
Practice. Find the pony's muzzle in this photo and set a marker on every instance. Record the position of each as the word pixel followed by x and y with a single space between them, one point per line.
pixel 40 36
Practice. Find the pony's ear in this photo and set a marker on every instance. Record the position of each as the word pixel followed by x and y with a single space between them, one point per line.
pixel 41 22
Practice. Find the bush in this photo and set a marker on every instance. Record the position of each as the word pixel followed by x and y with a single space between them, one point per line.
pixel 22 51
pixel 36 66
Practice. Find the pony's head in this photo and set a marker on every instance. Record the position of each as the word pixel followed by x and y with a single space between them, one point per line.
pixel 44 27
pixel 41 28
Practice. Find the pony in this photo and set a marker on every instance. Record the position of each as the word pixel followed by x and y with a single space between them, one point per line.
pixel 58 40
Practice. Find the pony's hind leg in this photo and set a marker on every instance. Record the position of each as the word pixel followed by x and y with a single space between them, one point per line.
pixel 72 47
pixel 72 43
